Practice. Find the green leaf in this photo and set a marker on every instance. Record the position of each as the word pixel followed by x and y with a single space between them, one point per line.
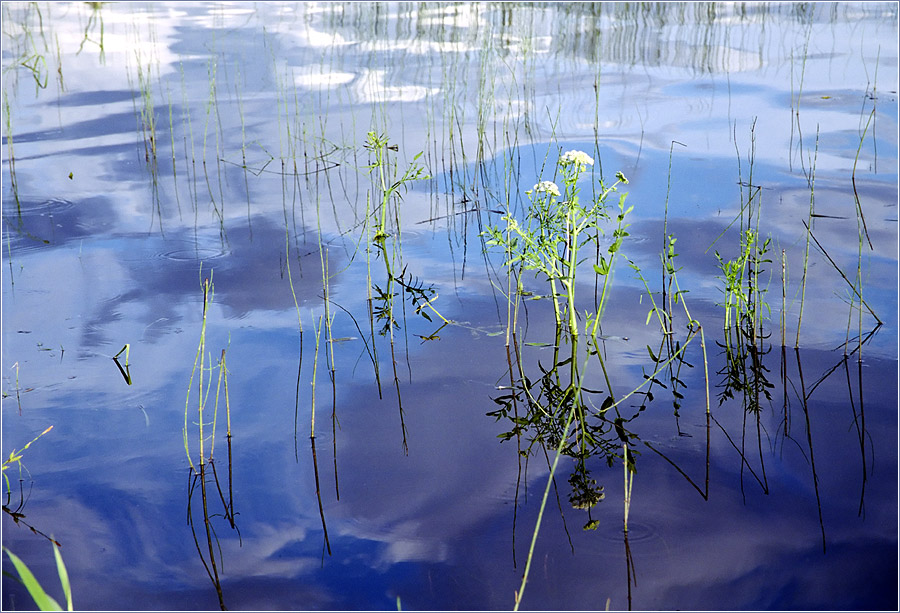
pixel 652 357
pixel 63 577
pixel 41 598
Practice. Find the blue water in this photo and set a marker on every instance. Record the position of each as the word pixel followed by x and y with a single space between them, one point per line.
pixel 260 183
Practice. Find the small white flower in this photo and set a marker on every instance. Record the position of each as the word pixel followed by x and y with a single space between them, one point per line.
pixel 576 157
pixel 548 187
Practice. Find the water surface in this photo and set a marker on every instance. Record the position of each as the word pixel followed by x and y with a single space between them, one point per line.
pixel 151 146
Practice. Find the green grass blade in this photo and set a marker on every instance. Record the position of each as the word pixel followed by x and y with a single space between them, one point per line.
pixel 41 598
pixel 63 577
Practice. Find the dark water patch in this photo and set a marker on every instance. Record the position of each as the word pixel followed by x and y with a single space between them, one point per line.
pixel 117 123
pixel 811 582
pixel 248 274
pixel 52 223
pixel 94 98
pixel 102 150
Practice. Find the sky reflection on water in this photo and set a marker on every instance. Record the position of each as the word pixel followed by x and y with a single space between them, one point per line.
pixel 261 112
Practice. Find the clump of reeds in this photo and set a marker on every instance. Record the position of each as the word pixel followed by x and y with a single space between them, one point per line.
pixel 203 368
pixel 203 364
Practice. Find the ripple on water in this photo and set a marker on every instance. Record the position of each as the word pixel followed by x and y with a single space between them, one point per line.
pixel 640 534
pixel 199 249
pixel 33 224
pixel 166 253
pixel 38 208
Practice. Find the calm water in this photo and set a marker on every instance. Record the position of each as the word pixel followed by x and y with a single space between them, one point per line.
pixel 147 147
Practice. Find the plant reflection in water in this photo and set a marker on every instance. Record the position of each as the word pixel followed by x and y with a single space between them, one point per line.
pixel 560 411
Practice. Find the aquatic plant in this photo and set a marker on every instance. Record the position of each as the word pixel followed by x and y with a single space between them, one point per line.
pixel 206 460
pixel 550 242
pixel 15 457
pixel 629 482
pixel 389 187
pixel 743 299
pixel 745 296
pixel 95 20
pixel 6 393
pixel 743 371
pixel 205 377
pixel 44 601
pixel 803 278
pixel 126 371
pixel 11 157
pixel 27 52
pixel 41 598
pixel 146 115
pixel 559 410
pixel 557 227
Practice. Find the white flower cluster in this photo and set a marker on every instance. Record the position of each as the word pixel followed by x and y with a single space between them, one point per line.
pixel 548 187
pixel 576 157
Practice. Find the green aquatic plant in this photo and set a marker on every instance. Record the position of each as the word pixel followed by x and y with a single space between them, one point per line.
pixel 557 410
pixel 745 307
pixel 41 598
pixel 15 457
pixel 557 227
pixel 812 212
pixel 628 467
pixel 44 601
pixel 744 301
pixel 203 365
pixel 745 294
pixel 94 21
pixel 550 242
pixel 388 188
pixel 146 115
pixel 199 360
pixel 11 156
pixel 206 460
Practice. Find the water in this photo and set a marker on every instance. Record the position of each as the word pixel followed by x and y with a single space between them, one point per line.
pixel 150 146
